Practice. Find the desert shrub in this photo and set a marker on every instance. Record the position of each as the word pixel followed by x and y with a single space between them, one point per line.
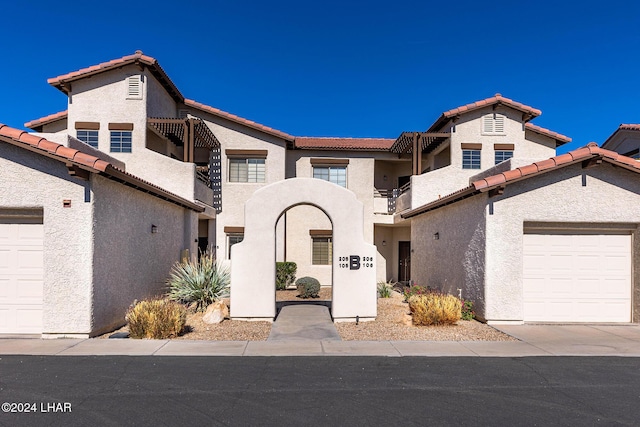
pixel 385 289
pixel 203 281
pixel 435 308
pixel 285 274
pixel 308 287
pixel 156 319
pixel 468 312
pixel 412 290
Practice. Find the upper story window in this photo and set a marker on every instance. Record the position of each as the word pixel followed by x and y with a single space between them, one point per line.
pixel 121 137
pixel 247 165
pixel 88 137
pixel 87 132
pixel 493 124
pixel 470 159
pixel 332 170
pixel 503 155
pixel 134 87
pixel 503 152
pixel 246 170
pixel 471 156
pixel 120 141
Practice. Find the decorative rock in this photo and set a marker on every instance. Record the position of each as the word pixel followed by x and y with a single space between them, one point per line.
pixel 215 313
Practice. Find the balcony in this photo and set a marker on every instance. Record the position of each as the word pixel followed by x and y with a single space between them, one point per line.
pixel 388 202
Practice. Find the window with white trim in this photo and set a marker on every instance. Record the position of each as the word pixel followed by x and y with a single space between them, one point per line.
pixel 321 250
pixel 134 87
pixel 120 141
pixel 246 169
pixel 493 124
pixel 470 159
pixel 335 174
pixel 502 155
pixel 89 137
pixel 232 239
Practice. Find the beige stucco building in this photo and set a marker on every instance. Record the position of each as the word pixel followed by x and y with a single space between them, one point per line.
pixel 205 164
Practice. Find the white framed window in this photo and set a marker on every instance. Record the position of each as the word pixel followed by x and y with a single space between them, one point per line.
pixel 335 174
pixel 502 155
pixel 493 124
pixel 120 141
pixel 89 137
pixel 321 250
pixel 232 239
pixel 134 87
pixel 470 159
pixel 246 169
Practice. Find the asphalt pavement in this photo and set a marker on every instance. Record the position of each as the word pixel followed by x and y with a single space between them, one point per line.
pixel 319 391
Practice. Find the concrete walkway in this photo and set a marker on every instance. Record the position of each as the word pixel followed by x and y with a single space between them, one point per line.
pixel 535 340
pixel 305 322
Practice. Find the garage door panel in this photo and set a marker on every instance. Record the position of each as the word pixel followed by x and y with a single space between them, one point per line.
pixel 21 277
pixel 587 278
pixel 534 262
pixel 30 261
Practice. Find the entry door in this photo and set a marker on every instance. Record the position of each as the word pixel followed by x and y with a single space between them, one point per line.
pixel 404 261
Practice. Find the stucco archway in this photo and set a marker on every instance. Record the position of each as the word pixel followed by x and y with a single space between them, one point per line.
pixel 253 260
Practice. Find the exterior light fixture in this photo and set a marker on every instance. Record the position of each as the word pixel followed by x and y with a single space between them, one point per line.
pixel 384 243
pixel 436 236
pixel 154 229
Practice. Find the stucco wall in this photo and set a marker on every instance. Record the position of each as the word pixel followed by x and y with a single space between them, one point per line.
pixel 235 194
pixel 103 99
pixel 610 195
pixel 159 102
pixel 528 148
pixel 33 181
pixel 457 259
pixel 129 261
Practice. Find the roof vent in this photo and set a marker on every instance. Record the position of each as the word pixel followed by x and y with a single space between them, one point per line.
pixel 134 87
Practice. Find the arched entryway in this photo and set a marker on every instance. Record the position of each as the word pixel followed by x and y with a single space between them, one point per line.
pixel 253 260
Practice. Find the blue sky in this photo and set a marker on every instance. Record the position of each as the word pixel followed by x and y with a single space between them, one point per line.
pixel 340 68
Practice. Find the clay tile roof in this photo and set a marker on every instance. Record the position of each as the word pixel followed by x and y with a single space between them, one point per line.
pixel 560 139
pixel 585 153
pixel 372 144
pixel 591 151
pixel 37 123
pixel 237 119
pixel 496 99
pixel 137 58
pixel 87 162
pixel 629 126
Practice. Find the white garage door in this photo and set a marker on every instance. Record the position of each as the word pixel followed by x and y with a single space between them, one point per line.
pixel 21 277
pixel 577 278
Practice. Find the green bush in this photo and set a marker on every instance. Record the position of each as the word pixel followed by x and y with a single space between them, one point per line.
pixel 435 309
pixel 285 274
pixel 202 282
pixel 468 312
pixel 385 289
pixel 308 287
pixel 156 319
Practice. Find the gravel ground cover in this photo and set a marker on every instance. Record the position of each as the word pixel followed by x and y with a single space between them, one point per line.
pixel 392 324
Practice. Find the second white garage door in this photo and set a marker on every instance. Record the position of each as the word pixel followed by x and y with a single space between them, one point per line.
pixel 577 277
pixel 21 277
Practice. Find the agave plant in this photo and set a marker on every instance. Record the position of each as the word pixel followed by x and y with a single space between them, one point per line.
pixel 202 282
